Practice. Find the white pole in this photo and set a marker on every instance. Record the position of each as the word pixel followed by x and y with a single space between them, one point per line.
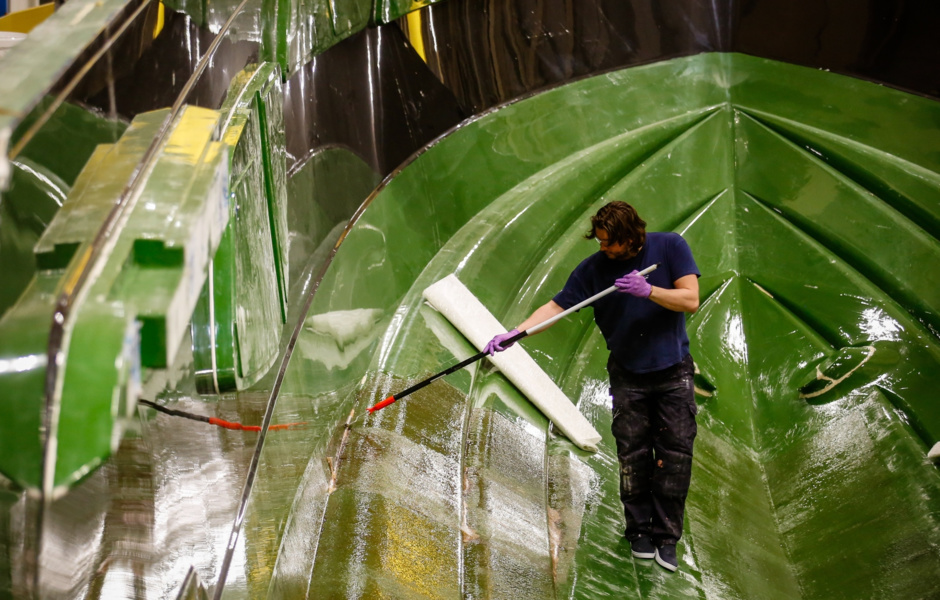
pixel 548 322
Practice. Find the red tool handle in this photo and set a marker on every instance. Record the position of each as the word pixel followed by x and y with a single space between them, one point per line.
pixel 236 426
pixel 382 404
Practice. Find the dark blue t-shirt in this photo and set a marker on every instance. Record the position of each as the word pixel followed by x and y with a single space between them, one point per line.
pixel 641 335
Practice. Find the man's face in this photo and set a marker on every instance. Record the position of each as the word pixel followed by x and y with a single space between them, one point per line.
pixel 613 250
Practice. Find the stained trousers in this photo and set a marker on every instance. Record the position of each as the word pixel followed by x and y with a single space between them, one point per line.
pixel 654 426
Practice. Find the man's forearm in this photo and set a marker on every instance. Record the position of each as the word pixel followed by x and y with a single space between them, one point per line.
pixel 678 299
pixel 542 313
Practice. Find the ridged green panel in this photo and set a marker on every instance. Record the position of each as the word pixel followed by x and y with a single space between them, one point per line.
pixel 24 329
pixel 816 199
pixel 146 288
pixel 817 352
pixel 899 182
pixel 295 31
pixel 493 156
pixel 236 331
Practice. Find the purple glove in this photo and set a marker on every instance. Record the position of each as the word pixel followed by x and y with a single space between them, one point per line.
pixel 496 344
pixel 634 284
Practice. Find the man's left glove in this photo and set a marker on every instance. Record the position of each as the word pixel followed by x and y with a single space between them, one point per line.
pixel 496 344
pixel 634 284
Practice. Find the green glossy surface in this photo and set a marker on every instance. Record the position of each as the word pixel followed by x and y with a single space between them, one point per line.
pixel 270 105
pixel 236 330
pixel 31 69
pixel 349 16
pixel 811 220
pixel 298 30
pixel 86 128
pixel 323 192
pixel 138 304
pixel 42 175
pixel 291 32
pixel 26 209
pixel 24 328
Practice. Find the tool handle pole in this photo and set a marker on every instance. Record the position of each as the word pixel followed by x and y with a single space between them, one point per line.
pixel 443 373
pixel 551 321
pixel 535 329
pixel 430 380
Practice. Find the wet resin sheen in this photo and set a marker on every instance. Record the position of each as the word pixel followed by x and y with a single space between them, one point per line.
pixel 808 200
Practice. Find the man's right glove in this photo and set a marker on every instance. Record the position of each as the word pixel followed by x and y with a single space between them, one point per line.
pixel 496 344
pixel 634 284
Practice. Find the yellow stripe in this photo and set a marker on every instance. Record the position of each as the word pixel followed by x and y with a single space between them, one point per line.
pixel 158 26
pixel 414 33
pixel 78 266
pixel 23 21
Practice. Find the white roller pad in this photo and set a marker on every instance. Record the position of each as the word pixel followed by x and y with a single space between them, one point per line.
pixel 477 324
pixel 934 453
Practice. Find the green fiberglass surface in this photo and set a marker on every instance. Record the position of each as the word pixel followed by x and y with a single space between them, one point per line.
pixel 29 72
pixel 292 32
pixel 143 299
pixel 810 201
pixel 137 308
pixel 41 177
pixel 237 323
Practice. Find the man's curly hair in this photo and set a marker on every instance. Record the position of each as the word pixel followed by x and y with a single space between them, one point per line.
pixel 622 224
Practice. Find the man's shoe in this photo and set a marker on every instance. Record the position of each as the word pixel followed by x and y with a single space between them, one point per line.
pixel 666 557
pixel 642 547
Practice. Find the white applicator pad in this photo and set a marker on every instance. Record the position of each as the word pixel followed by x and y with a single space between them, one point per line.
pixel 453 300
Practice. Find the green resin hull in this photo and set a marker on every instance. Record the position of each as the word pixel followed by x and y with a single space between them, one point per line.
pixel 810 201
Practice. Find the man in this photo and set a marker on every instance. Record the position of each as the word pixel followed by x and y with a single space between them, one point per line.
pixel 650 367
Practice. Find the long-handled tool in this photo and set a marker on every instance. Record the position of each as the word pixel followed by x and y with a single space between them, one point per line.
pixel 214 420
pixel 530 331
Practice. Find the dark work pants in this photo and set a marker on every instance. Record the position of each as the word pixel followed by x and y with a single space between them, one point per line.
pixel 654 426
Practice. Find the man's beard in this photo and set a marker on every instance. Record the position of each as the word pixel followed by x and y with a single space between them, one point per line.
pixel 625 254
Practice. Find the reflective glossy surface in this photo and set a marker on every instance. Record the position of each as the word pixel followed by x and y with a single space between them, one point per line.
pixel 390 103
pixel 238 320
pixel 788 299
pixel 168 499
pixel 335 183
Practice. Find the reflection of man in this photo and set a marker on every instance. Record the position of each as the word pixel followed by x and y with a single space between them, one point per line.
pixel 650 367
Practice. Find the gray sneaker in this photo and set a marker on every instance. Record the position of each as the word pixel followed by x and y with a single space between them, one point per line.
pixel 666 557
pixel 642 547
